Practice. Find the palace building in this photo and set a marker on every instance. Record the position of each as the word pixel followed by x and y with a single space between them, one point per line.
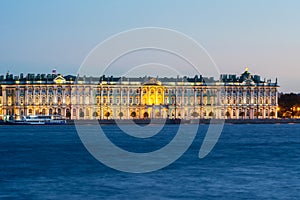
pixel 236 97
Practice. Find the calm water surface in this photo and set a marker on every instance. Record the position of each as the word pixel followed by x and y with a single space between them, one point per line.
pixel 248 162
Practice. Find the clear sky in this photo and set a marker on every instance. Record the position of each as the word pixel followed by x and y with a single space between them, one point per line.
pixel 264 35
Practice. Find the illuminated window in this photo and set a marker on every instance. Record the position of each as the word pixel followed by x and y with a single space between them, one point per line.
pixel 37 100
pixel 87 100
pixel 73 99
pixel 67 100
pixel 9 101
pixel 261 100
pixel 44 100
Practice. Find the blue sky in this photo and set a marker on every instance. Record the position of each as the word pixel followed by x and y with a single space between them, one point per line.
pixel 36 36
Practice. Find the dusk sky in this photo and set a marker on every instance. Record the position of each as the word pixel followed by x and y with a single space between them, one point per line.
pixel 37 36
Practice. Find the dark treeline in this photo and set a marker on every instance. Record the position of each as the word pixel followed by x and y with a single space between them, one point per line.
pixel 289 105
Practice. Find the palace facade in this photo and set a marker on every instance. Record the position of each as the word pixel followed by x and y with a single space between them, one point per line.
pixel 245 96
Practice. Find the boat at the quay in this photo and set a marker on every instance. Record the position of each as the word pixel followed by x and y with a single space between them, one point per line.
pixel 37 120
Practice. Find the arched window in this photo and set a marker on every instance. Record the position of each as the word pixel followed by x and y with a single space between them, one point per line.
pixel 248 113
pixel 37 100
pixel 58 100
pixel 81 113
pixel 267 100
pixel 248 100
pixel 173 100
pixel 261 100
pixel 228 100
pixel 43 100
pixel 67 100
pixel 87 100
pixel 240 100
pixel 234 100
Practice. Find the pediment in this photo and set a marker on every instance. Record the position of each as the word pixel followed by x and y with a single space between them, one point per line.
pixel 152 81
pixel 59 79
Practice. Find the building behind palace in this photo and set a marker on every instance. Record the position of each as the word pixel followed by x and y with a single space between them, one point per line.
pixel 245 96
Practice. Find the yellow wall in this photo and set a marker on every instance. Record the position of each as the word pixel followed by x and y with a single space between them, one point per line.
pixel 154 95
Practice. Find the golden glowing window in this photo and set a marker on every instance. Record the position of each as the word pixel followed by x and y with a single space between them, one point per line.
pixel 9 101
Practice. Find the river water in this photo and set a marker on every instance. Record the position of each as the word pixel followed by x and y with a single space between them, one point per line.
pixel 248 162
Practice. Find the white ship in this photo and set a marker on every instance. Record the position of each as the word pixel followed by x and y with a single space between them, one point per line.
pixel 40 120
